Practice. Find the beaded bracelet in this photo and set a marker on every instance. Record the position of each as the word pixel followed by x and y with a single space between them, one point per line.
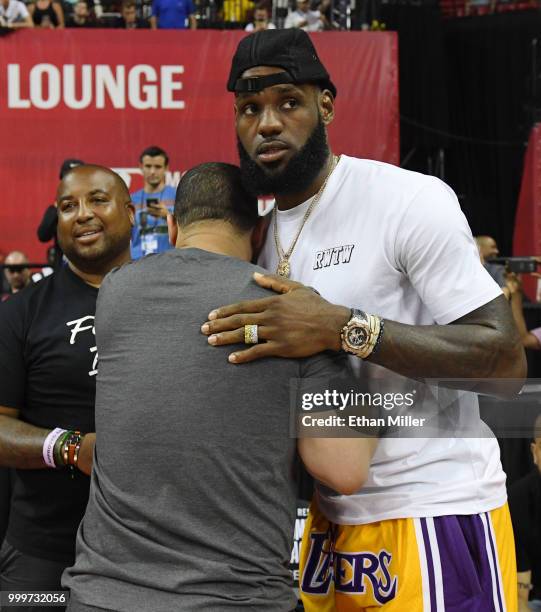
pixel 59 445
pixel 70 447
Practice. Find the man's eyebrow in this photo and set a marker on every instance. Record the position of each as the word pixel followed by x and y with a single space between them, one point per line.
pixel 287 89
pixel 90 193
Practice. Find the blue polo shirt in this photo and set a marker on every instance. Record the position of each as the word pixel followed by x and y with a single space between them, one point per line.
pixel 172 14
pixel 149 235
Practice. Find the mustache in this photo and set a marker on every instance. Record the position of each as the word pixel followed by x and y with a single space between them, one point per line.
pixel 271 143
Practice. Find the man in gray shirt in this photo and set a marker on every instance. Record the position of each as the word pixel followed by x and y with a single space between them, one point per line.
pixel 192 502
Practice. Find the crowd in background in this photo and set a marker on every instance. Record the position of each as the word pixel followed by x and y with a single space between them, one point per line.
pixel 250 15
pixel 310 15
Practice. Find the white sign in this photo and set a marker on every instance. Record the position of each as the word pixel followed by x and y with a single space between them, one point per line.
pixel 142 87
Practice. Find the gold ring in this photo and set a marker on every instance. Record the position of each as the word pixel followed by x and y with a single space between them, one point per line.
pixel 250 334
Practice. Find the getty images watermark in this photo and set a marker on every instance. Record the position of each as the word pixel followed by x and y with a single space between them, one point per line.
pixel 398 407
pixel 338 400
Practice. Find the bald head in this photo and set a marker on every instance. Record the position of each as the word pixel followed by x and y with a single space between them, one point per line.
pixel 16 258
pixel 487 247
pixel 83 170
pixel 16 277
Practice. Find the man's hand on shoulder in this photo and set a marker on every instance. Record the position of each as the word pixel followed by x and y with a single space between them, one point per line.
pixel 296 323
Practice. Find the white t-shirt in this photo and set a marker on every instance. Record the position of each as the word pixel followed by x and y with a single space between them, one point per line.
pixel 312 18
pixel 395 243
pixel 15 11
pixel 251 27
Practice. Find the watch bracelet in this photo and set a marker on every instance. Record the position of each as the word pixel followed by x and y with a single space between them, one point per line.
pixel 374 324
pixel 379 338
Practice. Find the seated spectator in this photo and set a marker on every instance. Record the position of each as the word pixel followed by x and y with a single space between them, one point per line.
pixel 47 14
pixel 261 20
pixel 18 276
pixel 81 16
pixel 525 507
pixel 304 18
pixel 14 14
pixel 173 14
pixel 129 19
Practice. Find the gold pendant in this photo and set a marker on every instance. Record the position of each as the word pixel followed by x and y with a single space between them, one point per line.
pixel 283 268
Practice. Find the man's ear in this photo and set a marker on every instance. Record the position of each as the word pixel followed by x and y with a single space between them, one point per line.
pixel 534 457
pixel 131 213
pixel 172 229
pixel 259 233
pixel 326 106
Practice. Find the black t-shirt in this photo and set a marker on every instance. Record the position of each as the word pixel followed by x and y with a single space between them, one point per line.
pixel 48 366
pixel 525 507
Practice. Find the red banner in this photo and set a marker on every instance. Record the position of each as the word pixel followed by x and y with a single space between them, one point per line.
pixel 105 95
pixel 527 235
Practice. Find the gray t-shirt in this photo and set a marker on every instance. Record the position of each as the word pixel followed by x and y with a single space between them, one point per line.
pixel 192 501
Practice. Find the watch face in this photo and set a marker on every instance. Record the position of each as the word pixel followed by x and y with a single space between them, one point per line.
pixel 357 336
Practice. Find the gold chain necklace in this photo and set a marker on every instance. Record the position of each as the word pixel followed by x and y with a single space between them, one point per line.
pixel 284 267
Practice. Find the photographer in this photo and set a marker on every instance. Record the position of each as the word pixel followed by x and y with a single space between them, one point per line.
pixel 152 203
pixel 511 285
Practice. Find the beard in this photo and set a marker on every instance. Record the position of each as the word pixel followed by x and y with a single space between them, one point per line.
pixel 94 259
pixel 299 173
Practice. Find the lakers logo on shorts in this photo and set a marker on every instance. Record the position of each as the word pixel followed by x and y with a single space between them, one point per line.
pixel 354 573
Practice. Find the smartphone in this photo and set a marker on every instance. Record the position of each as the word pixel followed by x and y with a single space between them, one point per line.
pixel 152 202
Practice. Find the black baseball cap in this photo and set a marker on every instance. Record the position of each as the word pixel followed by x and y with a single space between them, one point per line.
pixel 69 164
pixel 289 49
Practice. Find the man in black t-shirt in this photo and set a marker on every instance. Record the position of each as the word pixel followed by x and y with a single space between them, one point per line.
pixel 525 506
pixel 48 366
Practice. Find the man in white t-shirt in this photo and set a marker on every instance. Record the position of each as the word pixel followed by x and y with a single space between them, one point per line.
pixel 304 18
pixel 14 14
pixel 430 531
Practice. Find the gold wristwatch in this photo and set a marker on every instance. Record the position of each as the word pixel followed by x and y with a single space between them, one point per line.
pixel 361 333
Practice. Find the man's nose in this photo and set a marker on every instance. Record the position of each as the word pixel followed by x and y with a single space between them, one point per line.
pixel 270 122
pixel 85 211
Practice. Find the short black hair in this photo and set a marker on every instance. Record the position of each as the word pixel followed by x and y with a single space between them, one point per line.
pixel 214 191
pixel 154 152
